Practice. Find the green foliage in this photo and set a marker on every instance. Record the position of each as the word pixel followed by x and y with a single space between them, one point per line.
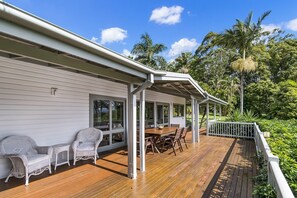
pixel 247 116
pixel 182 63
pixel 283 143
pixel 286 100
pixel 260 97
pixel 283 61
pixel 262 188
pixel 147 53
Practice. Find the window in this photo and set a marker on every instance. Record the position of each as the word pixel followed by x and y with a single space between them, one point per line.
pixel 178 110
pixel 108 115
pixel 117 114
pixel 101 115
pixel 163 114
pixel 149 114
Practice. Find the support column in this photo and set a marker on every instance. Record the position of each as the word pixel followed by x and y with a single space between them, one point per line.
pixel 215 111
pixel 220 109
pixel 207 117
pixel 132 163
pixel 197 122
pixel 193 119
pixel 155 114
pixel 141 131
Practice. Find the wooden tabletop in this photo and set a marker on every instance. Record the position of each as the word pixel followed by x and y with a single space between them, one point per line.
pixel 161 132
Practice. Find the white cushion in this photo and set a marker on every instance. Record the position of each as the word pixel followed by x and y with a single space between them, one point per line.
pixel 33 159
pixel 86 146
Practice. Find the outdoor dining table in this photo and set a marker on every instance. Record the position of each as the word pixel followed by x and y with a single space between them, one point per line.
pixel 158 133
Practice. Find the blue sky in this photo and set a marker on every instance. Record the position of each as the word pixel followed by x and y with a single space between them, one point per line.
pixel 179 24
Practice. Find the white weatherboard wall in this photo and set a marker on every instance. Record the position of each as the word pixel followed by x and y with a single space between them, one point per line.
pixel 28 108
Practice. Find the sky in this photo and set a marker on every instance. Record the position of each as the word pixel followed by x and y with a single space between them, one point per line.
pixel 178 24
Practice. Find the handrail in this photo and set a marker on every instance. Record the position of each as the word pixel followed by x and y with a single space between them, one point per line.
pixel 275 176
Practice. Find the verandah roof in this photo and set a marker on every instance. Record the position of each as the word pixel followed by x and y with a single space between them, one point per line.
pixel 26 37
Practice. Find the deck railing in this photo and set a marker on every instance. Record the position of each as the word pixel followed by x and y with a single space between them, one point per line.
pixel 275 176
pixel 251 130
pixel 231 129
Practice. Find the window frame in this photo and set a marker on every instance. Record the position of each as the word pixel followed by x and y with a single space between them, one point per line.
pixel 181 112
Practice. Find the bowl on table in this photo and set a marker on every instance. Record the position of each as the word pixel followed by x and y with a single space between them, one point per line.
pixel 160 127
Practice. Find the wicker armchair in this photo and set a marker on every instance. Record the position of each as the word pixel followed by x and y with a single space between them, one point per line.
pixel 86 144
pixel 27 158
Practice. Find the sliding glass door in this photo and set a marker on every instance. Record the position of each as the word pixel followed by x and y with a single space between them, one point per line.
pixel 108 115
pixel 163 114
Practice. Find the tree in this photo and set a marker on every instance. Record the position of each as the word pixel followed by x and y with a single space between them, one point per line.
pixel 242 36
pixel 260 97
pixel 285 106
pixel 182 63
pixel 283 62
pixel 147 53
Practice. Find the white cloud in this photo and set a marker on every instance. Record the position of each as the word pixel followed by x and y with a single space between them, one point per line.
pixel 167 15
pixel 94 39
pixel 111 35
pixel 292 25
pixel 270 27
pixel 183 45
pixel 126 53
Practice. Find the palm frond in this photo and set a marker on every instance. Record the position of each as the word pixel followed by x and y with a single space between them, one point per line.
pixel 264 15
pixel 248 19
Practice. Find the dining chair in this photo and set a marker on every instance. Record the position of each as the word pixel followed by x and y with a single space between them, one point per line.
pixel 172 141
pixel 183 135
pixel 149 142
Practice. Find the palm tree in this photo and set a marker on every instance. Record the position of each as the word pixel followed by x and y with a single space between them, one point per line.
pixel 183 62
pixel 242 36
pixel 146 52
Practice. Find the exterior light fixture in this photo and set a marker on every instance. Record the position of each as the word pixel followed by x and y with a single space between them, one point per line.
pixel 53 91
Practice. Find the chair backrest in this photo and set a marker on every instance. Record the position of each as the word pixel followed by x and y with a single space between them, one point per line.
pixel 184 133
pixel 174 125
pixel 178 134
pixel 16 144
pixel 89 135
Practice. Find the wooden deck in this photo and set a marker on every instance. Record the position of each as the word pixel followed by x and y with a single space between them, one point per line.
pixel 216 167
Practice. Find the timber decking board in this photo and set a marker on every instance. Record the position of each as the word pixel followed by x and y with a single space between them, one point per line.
pixel 206 169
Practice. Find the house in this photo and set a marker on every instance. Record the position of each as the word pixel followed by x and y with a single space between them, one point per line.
pixel 54 83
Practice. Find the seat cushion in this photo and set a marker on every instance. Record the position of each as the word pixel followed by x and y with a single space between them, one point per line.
pixel 33 159
pixel 86 146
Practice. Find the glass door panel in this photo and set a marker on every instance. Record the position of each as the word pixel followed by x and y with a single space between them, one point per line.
pixel 163 114
pixel 101 115
pixel 108 115
pixel 117 115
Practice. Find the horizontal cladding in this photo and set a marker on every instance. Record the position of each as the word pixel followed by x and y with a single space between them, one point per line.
pixel 161 97
pixel 28 108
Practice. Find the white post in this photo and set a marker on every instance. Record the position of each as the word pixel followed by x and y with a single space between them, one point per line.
pixel 132 149
pixel 155 114
pixel 197 122
pixel 220 112
pixel 141 131
pixel 207 117
pixel 193 119
pixel 215 111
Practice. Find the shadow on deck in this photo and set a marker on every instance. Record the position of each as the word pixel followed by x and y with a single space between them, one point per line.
pixel 215 167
